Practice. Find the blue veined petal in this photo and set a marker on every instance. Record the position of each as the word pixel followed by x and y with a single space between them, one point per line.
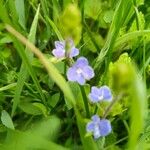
pixel 95 118
pixel 95 90
pixel 74 52
pixel 106 93
pixel 105 127
pixel 60 44
pixel 58 53
pixel 93 98
pixel 95 95
pixel 71 74
pixel 90 127
pixel 81 62
pixel 80 79
pixel 88 72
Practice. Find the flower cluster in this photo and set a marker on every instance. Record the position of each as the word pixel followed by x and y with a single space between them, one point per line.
pixel 79 72
pixel 61 51
pixel 99 94
pixel 98 127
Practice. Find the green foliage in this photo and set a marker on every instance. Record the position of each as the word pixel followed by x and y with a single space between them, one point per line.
pixel 23 71
pixel 40 109
pixel 6 120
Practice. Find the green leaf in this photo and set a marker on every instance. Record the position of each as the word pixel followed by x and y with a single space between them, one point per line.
pixel 138 112
pixel 93 8
pixel 47 128
pixel 17 140
pixel 52 24
pixel 42 108
pixel 54 99
pixel 108 16
pixel 30 108
pixel 20 11
pixel 6 120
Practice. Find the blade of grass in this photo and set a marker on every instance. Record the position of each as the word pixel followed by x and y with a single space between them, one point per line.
pixel 4 15
pixel 21 12
pixel 52 24
pixel 120 15
pixel 23 74
pixel 138 113
pixel 8 87
pixel 129 36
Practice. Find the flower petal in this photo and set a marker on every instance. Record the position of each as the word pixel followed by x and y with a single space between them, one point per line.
pixel 60 44
pixel 93 98
pixel 71 74
pixel 105 127
pixel 95 118
pixel 74 52
pixel 88 72
pixel 80 79
pixel 106 93
pixel 90 127
pixel 81 62
pixel 95 90
pixel 58 53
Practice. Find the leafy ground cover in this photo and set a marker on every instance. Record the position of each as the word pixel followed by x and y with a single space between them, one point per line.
pixel 74 74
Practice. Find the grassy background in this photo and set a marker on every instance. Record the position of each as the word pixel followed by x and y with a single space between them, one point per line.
pixel 39 108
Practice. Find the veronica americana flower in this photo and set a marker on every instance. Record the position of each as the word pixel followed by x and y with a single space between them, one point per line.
pixel 99 127
pixel 99 94
pixel 65 49
pixel 80 71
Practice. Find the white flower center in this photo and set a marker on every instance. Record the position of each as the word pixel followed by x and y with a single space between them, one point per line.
pixel 79 71
pixel 100 97
pixel 97 131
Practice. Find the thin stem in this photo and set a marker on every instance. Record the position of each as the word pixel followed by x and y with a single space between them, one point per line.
pixel 85 100
pixel 121 140
pixel 108 109
pixel 95 110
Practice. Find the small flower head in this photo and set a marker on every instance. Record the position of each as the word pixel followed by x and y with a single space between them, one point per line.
pixel 80 71
pixel 99 94
pixel 99 128
pixel 61 52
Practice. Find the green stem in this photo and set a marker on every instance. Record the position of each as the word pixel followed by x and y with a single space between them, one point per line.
pixel 85 100
pixel 108 109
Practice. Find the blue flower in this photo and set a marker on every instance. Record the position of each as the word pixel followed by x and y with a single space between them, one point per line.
pixel 80 71
pixel 99 128
pixel 99 94
pixel 61 52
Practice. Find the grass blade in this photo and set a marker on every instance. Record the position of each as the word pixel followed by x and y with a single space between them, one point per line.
pixel 23 74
